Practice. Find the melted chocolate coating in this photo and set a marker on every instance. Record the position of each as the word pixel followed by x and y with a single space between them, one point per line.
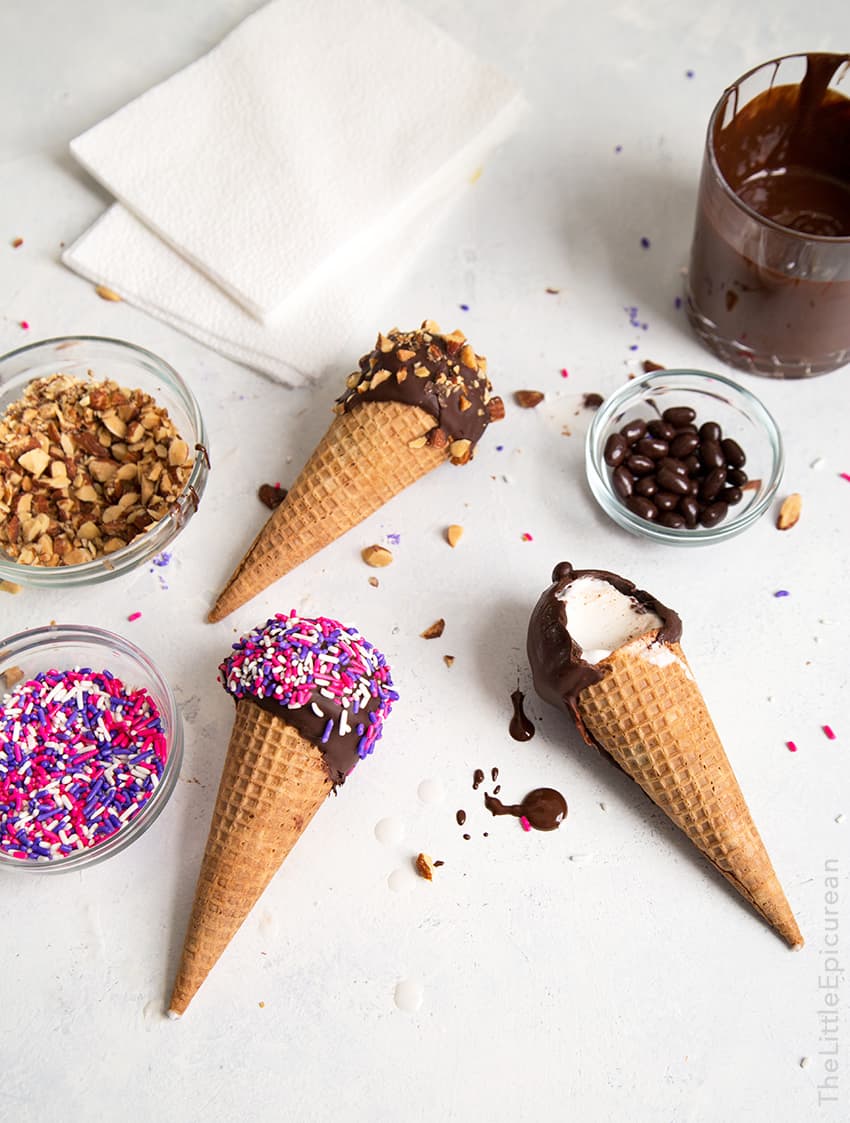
pixel 559 671
pixel 521 728
pixel 439 373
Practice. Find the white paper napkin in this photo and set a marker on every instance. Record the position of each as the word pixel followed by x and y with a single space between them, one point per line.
pixel 122 253
pixel 314 130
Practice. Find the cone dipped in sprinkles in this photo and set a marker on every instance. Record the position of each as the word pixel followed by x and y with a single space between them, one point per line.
pixel 608 654
pixel 419 398
pixel 311 699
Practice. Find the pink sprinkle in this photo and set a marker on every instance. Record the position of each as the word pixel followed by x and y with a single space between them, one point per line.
pixel 564 372
pixel 134 616
pixel 524 823
pixel 527 537
pixel 25 325
pixel 792 748
pixel 844 475
pixel 829 732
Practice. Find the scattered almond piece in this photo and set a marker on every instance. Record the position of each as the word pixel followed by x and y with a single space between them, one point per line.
pixel 10 587
pixel 789 512
pixel 377 556
pixel 374 582
pixel 496 409
pixel 16 242
pixel 435 631
pixel 448 660
pixel 11 676
pixel 454 534
pixel 528 399
pixel 425 866
pixel 649 366
pixel 107 294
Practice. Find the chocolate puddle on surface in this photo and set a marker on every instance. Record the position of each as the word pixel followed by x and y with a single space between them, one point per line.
pixel 544 809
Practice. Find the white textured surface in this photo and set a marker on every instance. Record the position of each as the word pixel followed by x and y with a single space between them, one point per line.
pixel 599 973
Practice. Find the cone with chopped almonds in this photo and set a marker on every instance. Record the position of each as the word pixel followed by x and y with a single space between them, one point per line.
pixel 419 398
pixel 608 654
pixel 311 699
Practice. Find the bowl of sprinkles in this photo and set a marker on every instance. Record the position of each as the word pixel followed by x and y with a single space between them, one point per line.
pixel 91 744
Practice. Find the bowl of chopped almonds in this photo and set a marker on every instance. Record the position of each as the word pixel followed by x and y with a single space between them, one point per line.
pixel 103 460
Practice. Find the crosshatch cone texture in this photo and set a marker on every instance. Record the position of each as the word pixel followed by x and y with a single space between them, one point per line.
pixel 653 721
pixel 273 783
pixel 363 460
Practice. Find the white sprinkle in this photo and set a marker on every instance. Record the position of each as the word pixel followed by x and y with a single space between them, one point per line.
pixel 344 727
pixel 580 859
pixel 316 710
pixel 804 1062
pixel 817 463
pixel 840 817
pixel 603 806
pixel 326 694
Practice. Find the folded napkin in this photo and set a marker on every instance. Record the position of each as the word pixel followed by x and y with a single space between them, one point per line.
pixel 122 253
pixel 286 168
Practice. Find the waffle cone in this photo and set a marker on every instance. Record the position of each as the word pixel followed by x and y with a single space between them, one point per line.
pixel 649 715
pixel 362 461
pixel 274 781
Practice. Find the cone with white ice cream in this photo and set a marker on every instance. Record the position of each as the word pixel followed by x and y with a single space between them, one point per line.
pixel 311 698
pixel 608 654
pixel 418 399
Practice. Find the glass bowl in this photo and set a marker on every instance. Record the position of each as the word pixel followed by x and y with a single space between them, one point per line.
pixel 63 647
pixel 134 368
pixel 740 415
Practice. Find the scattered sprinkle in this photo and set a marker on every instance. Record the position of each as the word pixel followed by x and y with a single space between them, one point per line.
pixel 564 372
pixel 817 463
pixel 644 243
pixel 448 660
pixel 844 475
pixel 25 324
pixel 618 148
pixel 677 303
pixel 162 559
pixel 633 347
pixel 134 616
pixel 782 593
pixel 393 539
pixel 603 806
pixel 804 1061
pixel 17 243
pixel 792 748
pixel 527 537
pixel 80 757
pixel 689 73
pixel 500 448
pixel 524 823
pixel 463 307
pixel 839 818
pixel 829 732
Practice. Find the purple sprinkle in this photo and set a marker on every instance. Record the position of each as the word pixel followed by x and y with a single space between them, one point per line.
pixel 499 448
pixel 677 303
pixel 633 347
pixel 645 243
pixel 618 148
pixel 394 539
pixel 463 307
pixel 782 593
pixel 162 559
pixel 689 73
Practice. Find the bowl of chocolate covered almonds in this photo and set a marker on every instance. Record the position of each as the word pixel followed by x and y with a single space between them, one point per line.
pixel 684 457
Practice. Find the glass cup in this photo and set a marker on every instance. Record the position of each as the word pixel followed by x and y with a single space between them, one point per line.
pixel 769 278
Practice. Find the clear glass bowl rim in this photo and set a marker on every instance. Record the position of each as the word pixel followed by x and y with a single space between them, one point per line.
pixel 46 637
pixel 154 540
pixel 632 393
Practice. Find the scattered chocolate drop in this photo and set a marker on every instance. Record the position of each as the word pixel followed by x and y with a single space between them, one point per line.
pixel 439 862
pixel 477 779
pixel 592 401
pixel 544 808
pixel 467 837
pixel 497 789
pixel 461 818
pixel 270 495
pixel 520 728
pixel 494 774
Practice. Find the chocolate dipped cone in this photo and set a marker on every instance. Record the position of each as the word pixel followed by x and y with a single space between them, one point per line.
pixel 419 399
pixel 642 706
pixel 311 699
pixel 273 783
